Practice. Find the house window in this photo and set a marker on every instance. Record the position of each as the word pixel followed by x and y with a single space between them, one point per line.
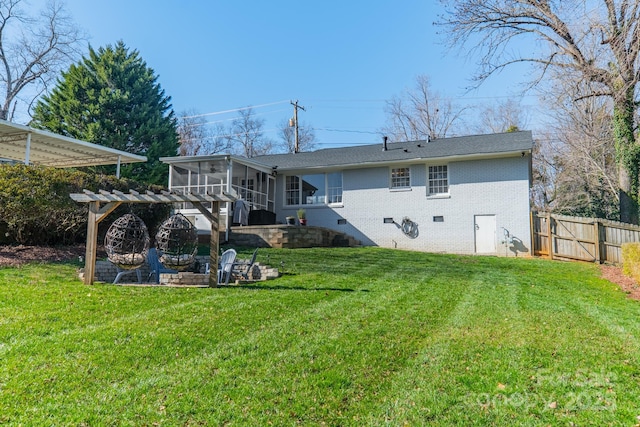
pixel 334 187
pixel 438 180
pixel 293 190
pixel 400 178
pixel 316 189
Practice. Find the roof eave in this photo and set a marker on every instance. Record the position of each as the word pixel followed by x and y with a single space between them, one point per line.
pixel 176 160
pixel 413 160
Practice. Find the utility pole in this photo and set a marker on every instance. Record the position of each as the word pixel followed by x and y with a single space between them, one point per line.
pixel 296 146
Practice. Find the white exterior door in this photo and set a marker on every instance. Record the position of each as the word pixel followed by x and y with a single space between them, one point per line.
pixel 485 226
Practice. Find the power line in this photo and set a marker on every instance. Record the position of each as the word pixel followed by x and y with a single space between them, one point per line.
pixel 346 131
pixel 193 125
pixel 234 110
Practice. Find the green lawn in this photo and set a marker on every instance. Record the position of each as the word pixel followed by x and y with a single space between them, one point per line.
pixel 346 337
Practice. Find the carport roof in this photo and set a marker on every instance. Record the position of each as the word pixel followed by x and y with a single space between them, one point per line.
pixel 41 147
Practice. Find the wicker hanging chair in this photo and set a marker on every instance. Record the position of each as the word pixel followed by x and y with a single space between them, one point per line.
pixel 127 242
pixel 177 242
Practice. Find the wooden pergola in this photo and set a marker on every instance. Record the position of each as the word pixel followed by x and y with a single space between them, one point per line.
pixel 103 203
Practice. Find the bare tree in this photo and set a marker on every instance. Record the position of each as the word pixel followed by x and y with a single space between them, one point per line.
pixel 32 50
pixel 504 116
pixel 306 137
pixel 197 137
pixel 246 135
pixel 597 41
pixel 545 170
pixel 574 164
pixel 420 113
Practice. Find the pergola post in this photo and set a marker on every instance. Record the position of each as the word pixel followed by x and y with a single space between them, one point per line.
pixel 214 240
pixel 92 241
pixel 214 244
pixel 95 216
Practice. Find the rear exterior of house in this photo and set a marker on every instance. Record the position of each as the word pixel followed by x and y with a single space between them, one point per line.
pixel 456 195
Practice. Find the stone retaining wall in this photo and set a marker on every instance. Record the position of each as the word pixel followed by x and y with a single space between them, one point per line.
pixel 289 236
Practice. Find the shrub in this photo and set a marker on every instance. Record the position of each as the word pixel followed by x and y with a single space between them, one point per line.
pixel 631 260
pixel 35 207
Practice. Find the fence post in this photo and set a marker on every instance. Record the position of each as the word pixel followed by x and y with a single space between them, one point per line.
pixel 597 252
pixel 532 234
pixel 549 236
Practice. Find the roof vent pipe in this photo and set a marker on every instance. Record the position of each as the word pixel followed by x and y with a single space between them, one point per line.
pixel 384 143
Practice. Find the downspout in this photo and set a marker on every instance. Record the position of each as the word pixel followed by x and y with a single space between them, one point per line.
pixel 27 151
pixel 118 167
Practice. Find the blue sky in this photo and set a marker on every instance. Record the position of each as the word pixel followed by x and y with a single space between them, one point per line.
pixel 340 59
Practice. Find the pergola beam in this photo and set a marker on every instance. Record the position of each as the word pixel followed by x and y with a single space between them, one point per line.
pixel 115 198
pixel 150 197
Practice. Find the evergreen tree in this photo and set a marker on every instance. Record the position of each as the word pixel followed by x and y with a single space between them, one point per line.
pixel 113 99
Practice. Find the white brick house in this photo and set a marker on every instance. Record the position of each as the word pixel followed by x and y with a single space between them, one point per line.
pixel 457 195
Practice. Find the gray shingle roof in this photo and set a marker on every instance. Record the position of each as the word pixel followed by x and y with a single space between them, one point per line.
pixel 492 144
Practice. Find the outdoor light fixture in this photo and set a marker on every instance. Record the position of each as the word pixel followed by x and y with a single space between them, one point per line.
pixel 389 221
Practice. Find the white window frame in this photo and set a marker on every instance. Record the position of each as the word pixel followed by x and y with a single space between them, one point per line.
pixel 333 192
pixel 436 182
pixel 288 190
pixel 397 182
pixel 330 192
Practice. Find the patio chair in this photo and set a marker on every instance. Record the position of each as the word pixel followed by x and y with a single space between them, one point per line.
pixel 123 272
pixel 156 266
pixel 243 268
pixel 225 270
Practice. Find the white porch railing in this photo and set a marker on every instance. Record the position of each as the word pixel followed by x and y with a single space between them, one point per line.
pixel 257 199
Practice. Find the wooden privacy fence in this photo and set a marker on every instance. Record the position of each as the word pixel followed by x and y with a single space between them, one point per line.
pixel 578 238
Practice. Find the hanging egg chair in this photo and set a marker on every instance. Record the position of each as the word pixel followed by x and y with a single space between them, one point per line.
pixel 127 242
pixel 177 242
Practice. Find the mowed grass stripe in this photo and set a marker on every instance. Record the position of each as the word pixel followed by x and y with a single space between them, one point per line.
pixel 346 337
pixel 470 377
pixel 318 348
pixel 319 312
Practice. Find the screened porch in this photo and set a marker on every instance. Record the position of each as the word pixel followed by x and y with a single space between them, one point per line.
pixel 252 182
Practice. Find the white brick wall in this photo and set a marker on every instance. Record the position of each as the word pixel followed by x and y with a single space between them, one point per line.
pixel 497 187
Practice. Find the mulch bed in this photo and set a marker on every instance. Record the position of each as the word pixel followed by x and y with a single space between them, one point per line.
pixel 627 284
pixel 14 256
